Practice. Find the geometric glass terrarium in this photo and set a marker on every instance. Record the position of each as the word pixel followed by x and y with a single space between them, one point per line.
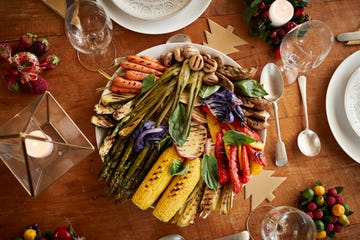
pixel 41 143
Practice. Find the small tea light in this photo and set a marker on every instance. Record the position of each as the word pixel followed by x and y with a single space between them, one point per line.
pixel 36 148
pixel 280 12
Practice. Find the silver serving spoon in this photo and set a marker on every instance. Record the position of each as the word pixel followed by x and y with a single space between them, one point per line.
pixel 308 141
pixel 274 84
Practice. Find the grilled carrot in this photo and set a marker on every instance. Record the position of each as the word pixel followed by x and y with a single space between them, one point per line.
pixel 140 68
pixel 125 83
pixel 135 75
pixel 147 57
pixel 117 89
pixel 146 62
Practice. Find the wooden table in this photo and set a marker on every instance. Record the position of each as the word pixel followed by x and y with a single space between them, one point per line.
pixel 79 197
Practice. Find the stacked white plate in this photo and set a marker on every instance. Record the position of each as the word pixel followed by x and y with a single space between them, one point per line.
pixel 343 105
pixel 154 16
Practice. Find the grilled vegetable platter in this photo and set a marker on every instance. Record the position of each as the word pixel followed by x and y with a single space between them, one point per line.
pixel 180 129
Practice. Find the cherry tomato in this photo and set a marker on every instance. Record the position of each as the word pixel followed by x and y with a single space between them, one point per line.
pixel 338 210
pixel 62 233
pixel 319 190
pixel 29 234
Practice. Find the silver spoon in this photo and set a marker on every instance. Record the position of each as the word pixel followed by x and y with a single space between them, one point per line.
pixel 308 141
pixel 274 84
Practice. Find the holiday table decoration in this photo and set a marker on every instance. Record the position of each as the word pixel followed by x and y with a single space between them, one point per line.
pixel 26 63
pixel 327 207
pixel 270 20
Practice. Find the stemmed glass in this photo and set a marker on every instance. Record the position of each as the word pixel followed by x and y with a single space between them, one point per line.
pixel 304 48
pixel 280 223
pixel 89 30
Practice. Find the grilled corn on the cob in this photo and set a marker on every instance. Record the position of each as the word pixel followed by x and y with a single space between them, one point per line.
pixel 178 191
pixel 156 180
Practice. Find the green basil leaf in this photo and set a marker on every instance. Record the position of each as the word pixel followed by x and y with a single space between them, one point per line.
pixel 209 171
pixel 206 90
pixel 233 137
pixel 148 82
pixel 177 124
pixel 177 168
pixel 251 88
pixel 164 143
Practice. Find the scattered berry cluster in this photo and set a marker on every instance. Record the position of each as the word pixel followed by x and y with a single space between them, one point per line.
pixel 33 232
pixel 257 14
pixel 27 61
pixel 328 209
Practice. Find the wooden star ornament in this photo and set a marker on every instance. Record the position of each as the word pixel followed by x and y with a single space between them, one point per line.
pixel 222 39
pixel 261 186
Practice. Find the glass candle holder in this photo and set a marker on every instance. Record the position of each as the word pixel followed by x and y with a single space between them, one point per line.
pixel 41 143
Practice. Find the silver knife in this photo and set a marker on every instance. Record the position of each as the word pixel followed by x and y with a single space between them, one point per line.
pixel 348 36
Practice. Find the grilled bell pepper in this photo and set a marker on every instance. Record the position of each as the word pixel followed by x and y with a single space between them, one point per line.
pixel 234 167
pixel 223 165
pixel 245 166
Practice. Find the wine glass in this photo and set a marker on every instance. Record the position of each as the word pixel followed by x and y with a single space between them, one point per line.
pixel 304 48
pixel 280 223
pixel 89 30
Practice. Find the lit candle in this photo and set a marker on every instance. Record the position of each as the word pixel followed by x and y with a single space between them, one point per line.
pixel 36 148
pixel 280 12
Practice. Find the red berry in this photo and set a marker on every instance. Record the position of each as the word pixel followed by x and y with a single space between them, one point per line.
pixel 25 42
pixel 276 41
pixel 5 51
pixel 338 227
pixel 39 86
pixel 334 219
pixel 273 34
pixel 299 11
pixel 265 14
pixel 11 83
pixel 332 192
pixel 261 5
pixel 311 206
pixel 339 199
pixel 290 25
pixel 40 47
pixel 318 214
pixel 330 200
pixel 329 227
pixel 310 214
pixel 282 32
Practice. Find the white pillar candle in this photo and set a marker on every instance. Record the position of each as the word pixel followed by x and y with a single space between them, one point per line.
pixel 36 148
pixel 280 12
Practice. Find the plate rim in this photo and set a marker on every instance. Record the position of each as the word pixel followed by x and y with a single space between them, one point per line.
pixel 149 18
pixel 335 109
pixel 179 20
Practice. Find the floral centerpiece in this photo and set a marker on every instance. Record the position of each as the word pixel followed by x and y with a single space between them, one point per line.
pixel 257 14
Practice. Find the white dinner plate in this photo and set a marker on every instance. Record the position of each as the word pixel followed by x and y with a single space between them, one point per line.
pixel 335 110
pixel 156 52
pixel 151 10
pixel 352 101
pixel 179 20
